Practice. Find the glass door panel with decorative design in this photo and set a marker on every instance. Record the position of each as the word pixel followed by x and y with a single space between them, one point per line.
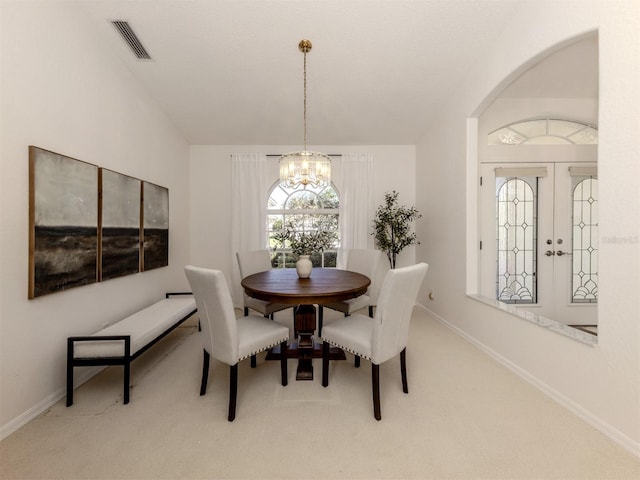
pixel 538 233
pixel 575 245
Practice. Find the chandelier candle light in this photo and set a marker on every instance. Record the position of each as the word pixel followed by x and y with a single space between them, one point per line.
pixel 305 168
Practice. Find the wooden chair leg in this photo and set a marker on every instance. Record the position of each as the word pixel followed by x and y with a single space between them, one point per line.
pixel 375 385
pixel 233 391
pixel 246 311
pixel 205 372
pixel 371 311
pixel 253 361
pixel 295 332
pixel 325 364
pixel 403 370
pixel 320 319
pixel 283 364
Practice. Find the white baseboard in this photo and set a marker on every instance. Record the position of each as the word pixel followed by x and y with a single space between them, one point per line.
pixel 46 403
pixel 613 433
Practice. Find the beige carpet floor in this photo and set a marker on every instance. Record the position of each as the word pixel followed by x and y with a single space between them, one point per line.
pixel 466 417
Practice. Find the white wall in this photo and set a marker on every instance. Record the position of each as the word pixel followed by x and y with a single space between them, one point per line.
pixel 601 384
pixel 62 92
pixel 211 190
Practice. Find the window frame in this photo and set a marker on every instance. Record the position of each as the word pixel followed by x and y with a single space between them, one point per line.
pixel 283 257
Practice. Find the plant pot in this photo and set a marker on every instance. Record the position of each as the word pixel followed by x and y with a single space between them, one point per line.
pixel 304 266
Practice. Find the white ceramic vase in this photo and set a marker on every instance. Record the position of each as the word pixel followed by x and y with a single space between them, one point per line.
pixel 304 266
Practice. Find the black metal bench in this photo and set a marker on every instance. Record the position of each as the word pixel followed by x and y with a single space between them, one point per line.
pixel 124 341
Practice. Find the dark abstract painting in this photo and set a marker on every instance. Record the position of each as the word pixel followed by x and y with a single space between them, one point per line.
pixel 155 200
pixel 63 222
pixel 120 225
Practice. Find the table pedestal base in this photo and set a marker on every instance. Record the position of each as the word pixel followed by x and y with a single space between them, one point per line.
pixel 305 350
pixel 306 372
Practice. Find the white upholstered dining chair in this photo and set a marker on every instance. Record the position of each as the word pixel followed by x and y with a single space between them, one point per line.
pixel 368 262
pixel 382 337
pixel 256 261
pixel 226 338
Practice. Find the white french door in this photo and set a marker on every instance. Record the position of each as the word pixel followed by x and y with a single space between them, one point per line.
pixel 538 231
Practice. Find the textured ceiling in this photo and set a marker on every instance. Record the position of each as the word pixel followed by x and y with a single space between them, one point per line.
pixel 230 72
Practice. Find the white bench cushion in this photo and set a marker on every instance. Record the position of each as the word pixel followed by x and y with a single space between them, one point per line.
pixel 143 327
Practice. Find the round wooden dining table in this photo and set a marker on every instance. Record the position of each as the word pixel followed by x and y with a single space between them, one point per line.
pixel 325 285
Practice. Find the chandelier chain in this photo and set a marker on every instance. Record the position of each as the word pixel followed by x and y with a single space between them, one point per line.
pixel 305 98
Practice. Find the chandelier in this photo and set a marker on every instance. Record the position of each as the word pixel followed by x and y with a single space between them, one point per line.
pixel 305 168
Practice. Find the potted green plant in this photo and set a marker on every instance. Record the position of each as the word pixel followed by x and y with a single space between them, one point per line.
pixel 392 227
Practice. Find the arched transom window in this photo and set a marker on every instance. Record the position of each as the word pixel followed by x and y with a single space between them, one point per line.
pixel 545 131
pixel 306 208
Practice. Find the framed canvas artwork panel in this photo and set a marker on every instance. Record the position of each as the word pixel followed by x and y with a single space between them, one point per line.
pixel 155 201
pixel 63 222
pixel 119 224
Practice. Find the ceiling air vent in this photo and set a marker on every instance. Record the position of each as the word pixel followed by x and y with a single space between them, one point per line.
pixel 131 39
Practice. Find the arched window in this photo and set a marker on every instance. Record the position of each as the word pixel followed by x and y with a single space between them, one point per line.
pixel 545 131
pixel 307 208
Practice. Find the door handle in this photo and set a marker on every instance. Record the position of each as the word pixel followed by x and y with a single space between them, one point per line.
pixel 549 253
pixel 561 253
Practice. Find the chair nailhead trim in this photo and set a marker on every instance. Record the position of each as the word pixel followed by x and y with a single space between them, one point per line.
pixel 347 349
pixel 284 339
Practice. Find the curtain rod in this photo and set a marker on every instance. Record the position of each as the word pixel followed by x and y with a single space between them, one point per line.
pixel 328 155
pixel 279 155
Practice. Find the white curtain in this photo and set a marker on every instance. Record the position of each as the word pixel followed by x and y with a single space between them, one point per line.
pixel 249 186
pixel 356 203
